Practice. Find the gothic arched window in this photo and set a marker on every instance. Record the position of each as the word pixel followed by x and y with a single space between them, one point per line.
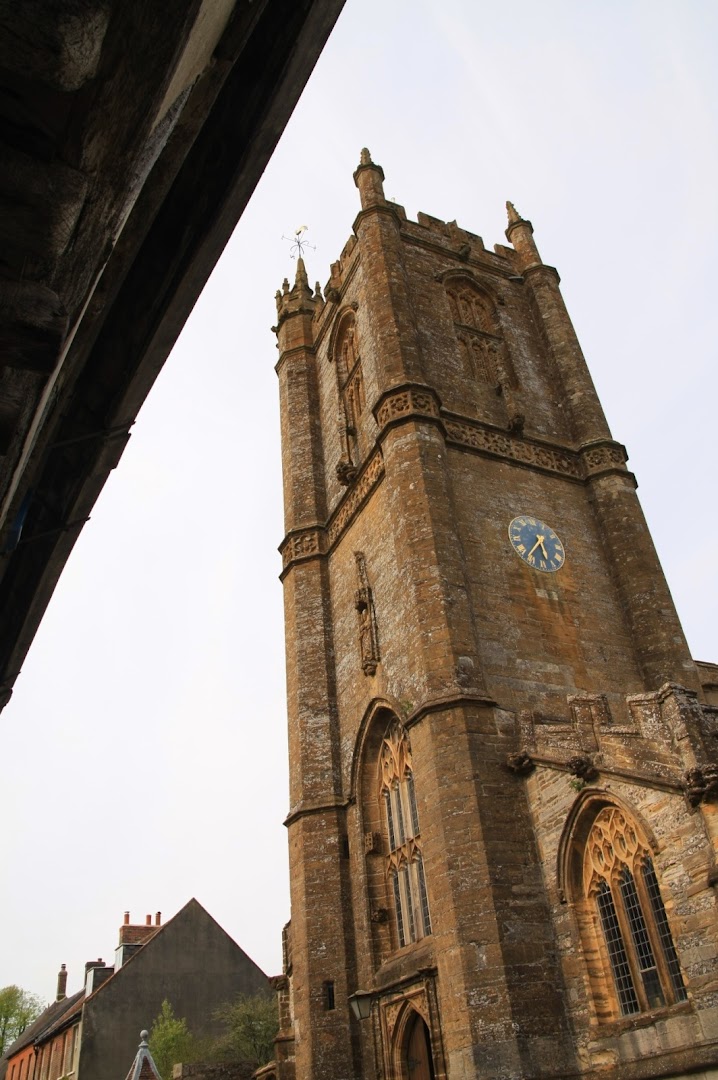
pixel 405 864
pixel 619 878
pixel 349 372
pixel 478 333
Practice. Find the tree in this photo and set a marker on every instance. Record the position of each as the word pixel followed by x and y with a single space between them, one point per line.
pixel 251 1021
pixel 171 1041
pixel 18 1008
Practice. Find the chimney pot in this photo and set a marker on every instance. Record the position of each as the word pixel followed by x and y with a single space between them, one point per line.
pixel 127 918
pixel 158 918
pixel 148 920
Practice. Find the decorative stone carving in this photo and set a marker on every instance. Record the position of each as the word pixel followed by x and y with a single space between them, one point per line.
pixel 517 421
pixel 701 784
pixel 346 472
pixel 391 1013
pixel 364 604
pixel 501 444
pixel 301 546
pixel 372 843
pixel 582 767
pixel 347 509
pixel 613 842
pixel 597 459
pixel 379 915
pixel 410 400
pixel 520 763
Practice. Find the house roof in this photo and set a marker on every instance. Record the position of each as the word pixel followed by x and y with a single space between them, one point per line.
pixel 51 1017
pixel 61 1013
pixel 191 905
pixel 66 1018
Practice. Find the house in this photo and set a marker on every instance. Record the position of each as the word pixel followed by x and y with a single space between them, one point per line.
pixel 190 961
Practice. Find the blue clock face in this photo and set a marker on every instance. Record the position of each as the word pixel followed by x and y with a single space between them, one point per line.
pixel 537 544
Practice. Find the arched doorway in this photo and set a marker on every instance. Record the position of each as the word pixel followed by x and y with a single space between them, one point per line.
pixel 417 1063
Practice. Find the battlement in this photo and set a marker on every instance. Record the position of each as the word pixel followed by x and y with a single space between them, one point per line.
pixel 661 737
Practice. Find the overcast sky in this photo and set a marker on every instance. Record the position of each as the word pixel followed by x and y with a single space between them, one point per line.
pixel 144 750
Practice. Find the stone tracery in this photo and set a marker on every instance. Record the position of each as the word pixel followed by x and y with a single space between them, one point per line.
pixel 405 864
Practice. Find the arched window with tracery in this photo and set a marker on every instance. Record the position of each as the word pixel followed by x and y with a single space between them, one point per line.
pixel 478 333
pixel 619 878
pixel 405 864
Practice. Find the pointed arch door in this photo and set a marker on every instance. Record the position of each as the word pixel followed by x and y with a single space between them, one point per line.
pixel 417 1058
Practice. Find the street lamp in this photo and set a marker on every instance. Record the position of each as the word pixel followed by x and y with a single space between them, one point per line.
pixel 361 1003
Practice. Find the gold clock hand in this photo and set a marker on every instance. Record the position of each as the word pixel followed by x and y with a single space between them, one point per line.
pixel 538 541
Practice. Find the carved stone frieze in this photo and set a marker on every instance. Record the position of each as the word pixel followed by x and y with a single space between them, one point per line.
pixel 391 1012
pixel 395 1007
pixel 502 444
pixel 301 545
pixel 308 543
pixel 371 476
pixel 410 400
pixel 603 457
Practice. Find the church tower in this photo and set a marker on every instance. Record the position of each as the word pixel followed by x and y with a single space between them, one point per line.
pixel 503 760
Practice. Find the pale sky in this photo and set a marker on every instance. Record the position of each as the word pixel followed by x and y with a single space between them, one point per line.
pixel 144 750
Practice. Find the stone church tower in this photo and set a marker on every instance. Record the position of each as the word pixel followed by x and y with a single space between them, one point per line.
pixel 503 818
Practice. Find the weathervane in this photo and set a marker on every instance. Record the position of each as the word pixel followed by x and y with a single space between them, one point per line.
pixel 298 242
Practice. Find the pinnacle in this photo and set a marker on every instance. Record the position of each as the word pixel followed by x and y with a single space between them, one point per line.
pixel 365 157
pixel 301 275
pixel 514 215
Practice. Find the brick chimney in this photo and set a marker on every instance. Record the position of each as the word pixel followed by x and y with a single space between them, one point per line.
pixel 61 983
pixel 133 936
pixel 96 972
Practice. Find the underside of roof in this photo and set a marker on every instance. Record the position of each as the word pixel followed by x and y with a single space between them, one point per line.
pixel 132 136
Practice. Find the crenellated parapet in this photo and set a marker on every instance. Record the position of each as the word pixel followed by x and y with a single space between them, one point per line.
pixel 666 739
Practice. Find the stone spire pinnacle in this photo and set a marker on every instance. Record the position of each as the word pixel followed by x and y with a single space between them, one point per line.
pixel 369 178
pixel 514 215
pixel 299 298
pixel 301 280
pixel 520 234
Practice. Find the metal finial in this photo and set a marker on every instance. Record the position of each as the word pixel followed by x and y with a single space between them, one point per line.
pixel 298 243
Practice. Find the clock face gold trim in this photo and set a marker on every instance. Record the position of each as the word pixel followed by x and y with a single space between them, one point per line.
pixel 536 544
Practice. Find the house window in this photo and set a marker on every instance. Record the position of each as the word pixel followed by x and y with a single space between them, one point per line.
pixel 70 1051
pixel 405 865
pixel 620 878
